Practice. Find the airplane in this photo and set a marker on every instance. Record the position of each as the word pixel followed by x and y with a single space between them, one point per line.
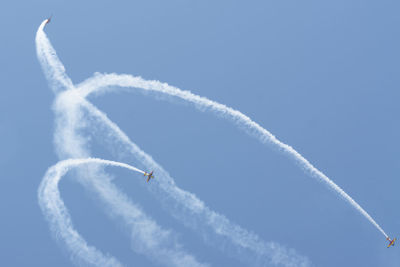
pixel 48 20
pixel 391 242
pixel 149 175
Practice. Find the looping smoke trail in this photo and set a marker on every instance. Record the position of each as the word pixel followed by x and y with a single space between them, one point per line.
pixel 70 143
pixel 60 221
pixel 105 81
pixel 219 224
pixel 193 212
pixel 149 234
pixel 147 237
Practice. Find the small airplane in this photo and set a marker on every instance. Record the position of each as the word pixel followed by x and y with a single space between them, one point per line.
pixel 149 175
pixel 391 241
pixel 48 20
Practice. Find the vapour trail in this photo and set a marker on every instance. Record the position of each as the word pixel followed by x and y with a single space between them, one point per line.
pixel 150 235
pixel 147 237
pixel 193 212
pixel 52 67
pixel 58 216
pixel 106 81
pixel 71 143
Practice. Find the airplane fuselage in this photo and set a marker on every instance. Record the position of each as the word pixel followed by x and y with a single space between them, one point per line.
pixel 391 242
pixel 149 175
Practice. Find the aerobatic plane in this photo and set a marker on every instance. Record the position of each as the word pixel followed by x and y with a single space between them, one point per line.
pixel 49 19
pixel 149 175
pixel 391 241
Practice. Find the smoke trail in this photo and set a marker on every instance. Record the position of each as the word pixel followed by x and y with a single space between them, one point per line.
pixel 147 237
pixel 203 103
pixel 52 67
pixel 192 211
pixel 60 221
pixel 151 238
pixel 70 143
pixel 105 81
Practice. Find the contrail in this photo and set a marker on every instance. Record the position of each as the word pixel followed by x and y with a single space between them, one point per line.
pixel 147 237
pixel 106 81
pixel 52 67
pixel 60 221
pixel 152 239
pixel 188 208
pixel 70 143
pixel 219 224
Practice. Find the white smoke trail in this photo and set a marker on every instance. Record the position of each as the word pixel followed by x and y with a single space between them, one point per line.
pixel 59 219
pixel 106 81
pixel 52 67
pixel 239 236
pixel 70 143
pixel 193 211
pixel 147 237
pixel 151 238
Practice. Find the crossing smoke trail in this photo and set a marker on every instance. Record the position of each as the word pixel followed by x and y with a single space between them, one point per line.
pixel 95 84
pixel 69 107
pixel 107 82
pixel 188 208
pixel 150 236
pixel 58 216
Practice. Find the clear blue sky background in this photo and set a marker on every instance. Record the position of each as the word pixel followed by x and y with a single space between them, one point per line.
pixel 323 77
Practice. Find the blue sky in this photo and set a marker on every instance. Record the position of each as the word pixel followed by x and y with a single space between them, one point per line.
pixel 320 76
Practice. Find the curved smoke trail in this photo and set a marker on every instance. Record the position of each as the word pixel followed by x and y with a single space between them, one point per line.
pixel 218 223
pixel 60 221
pixel 151 238
pixel 184 205
pixel 52 67
pixel 70 120
pixel 106 81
